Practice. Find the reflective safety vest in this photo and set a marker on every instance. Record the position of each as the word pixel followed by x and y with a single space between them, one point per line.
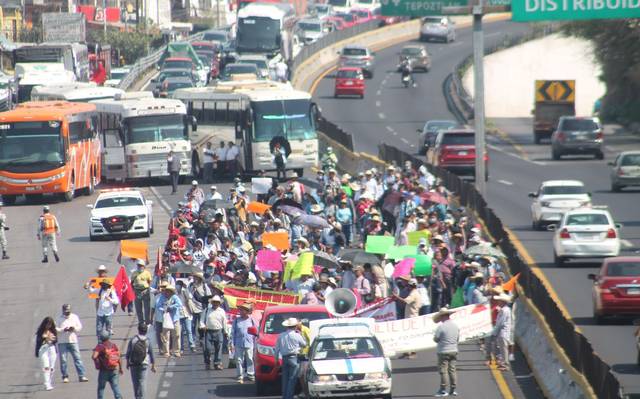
pixel 49 224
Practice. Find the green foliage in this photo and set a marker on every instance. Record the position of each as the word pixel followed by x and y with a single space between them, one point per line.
pixel 617 49
pixel 132 45
pixel 30 35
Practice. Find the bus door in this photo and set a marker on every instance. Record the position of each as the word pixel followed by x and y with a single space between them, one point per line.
pixel 113 157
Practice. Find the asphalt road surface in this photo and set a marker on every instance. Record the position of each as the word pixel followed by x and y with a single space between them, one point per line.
pixel 391 113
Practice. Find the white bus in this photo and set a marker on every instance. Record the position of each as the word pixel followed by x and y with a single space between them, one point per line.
pixel 255 115
pixel 267 29
pixel 138 131
pixel 74 92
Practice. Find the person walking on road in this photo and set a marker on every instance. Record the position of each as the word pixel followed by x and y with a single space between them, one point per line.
pixel 502 331
pixel 139 357
pixel 141 282
pixel 209 158
pixel 447 335
pixel 412 304
pixel 173 168
pixel 46 352
pixel 289 345
pixel 3 235
pixel 68 326
pixel 107 301
pixel 168 303
pixel 48 228
pixel 106 357
pixel 214 325
pixel 242 343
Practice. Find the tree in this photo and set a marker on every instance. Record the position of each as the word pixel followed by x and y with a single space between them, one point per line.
pixel 617 49
pixel 132 45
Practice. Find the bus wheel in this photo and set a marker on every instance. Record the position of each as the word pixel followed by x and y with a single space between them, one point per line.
pixel 9 199
pixel 92 186
pixel 68 196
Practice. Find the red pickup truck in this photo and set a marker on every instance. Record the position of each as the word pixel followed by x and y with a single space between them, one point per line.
pixel 455 151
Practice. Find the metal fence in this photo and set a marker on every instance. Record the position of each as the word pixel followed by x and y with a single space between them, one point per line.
pixel 575 345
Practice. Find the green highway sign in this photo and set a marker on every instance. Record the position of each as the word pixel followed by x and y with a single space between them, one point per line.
pixel 546 10
pixel 420 8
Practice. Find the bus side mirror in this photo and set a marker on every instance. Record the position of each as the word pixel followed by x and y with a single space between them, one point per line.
pixel 194 124
pixel 238 132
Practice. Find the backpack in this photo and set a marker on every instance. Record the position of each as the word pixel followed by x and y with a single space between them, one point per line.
pixel 138 351
pixel 110 357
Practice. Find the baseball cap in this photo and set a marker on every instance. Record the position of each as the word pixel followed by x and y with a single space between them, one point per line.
pixel 194 182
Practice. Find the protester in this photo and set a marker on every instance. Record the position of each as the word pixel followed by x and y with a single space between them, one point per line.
pixel 68 326
pixel 173 169
pixel 3 234
pixel 214 325
pixel 141 280
pixel 139 357
pixel 502 331
pixel 289 345
pixel 446 336
pixel 167 320
pixel 106 357
pixel 242 343
pixel 107 302
pixel 46 352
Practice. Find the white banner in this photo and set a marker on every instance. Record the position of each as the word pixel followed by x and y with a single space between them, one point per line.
pixel 416 334
pixel 383 310
pixel 260 185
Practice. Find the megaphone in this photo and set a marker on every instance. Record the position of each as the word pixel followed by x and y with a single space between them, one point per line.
pixel 341 302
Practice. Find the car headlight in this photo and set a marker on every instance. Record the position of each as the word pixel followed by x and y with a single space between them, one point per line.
pixel 265 350
pixel 58 176
pixel 376 376
pixel 325 378
pixel 95 220
pixel 141 216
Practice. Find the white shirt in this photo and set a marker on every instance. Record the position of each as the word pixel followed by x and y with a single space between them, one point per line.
pixel 215 196
pixel 68 337
pixel 221 153
pixel 232 153
pixel 108 299
pixel 214 319
pixel 372 187
pixel 208 155
pixel 281 70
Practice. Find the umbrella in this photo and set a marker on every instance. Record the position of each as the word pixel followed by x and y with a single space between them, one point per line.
pixel 434 197
pixel 357 256
pixel 287 201
pixel 486 249
pixel 313 221
pixel 291 210
pixel 390 201
pixel 323 259
pixel 184 268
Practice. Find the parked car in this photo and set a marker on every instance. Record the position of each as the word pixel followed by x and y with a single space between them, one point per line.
pixel 363 15
pixel 335 22
pixel 616 288
pixel 156 83
pixel 231 70
pixel 348 18
pixel 214 35
pixel 358 56
pixel 577 135
pixel 553 198
pixel 260 61
pixel 349 82
pixel 430 130
pixel 171 84
pixel 455 150
pixel 625 170
pixel 267 374
pixel 585 233
pixel 320 11
pixel 418 57
pixel 311 29
pixel 437 28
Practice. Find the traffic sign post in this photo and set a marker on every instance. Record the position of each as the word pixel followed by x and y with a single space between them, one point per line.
pixel 478 98
pixel 569 10
pixel 417 8
pixel 556 90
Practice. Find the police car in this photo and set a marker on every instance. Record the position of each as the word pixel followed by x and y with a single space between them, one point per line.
pixel 347 360
pixel 120 212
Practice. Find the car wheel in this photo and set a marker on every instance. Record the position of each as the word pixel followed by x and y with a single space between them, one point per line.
pixel 92 237
pixel 600 155
pixel 195 166
pixel 335 95
pixel 558 260
pixel 422 38
pixel 151 229
pixel 68 196
pixel 555 155
pixel 387 396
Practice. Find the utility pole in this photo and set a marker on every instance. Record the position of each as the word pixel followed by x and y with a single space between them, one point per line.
pixel 478 98
pixel 104 19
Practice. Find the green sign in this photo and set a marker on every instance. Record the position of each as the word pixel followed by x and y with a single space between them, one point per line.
pixel 547 10
pixel 417 8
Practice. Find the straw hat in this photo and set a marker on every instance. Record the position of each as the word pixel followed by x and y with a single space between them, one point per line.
pixel 246 306
pixel 170 288
pixel 316 208
pixel 478 275
pixel 443 312
pixel 290 322
pixel 332 281
pixel 102 268
pixel 216 298
pixel 200 275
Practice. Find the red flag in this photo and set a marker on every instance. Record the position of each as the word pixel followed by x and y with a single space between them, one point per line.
pixel 123 288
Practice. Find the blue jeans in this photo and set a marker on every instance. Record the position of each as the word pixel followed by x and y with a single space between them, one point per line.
pixel 346 229
pixel 103 323
pixel 110 376
pixel 186 331
pixel 214 340
pixel 73 349
pixel 290 369
pixel 138 376
pixel 242 355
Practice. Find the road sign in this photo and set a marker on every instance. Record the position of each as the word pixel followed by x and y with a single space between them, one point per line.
pixel 63 27
pixel 420 8
pixel 546 10
pixel 555 90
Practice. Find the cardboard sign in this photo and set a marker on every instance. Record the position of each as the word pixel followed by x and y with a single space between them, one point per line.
pixel 415 236
pixel 257 207
pixel 134 249
pixel 403 268
pixel 95 282
pixel 378 244
pixel 268 260
pixel 261 185
pixel 280 240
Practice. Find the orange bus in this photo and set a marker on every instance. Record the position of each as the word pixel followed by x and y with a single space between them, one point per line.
pixel 49 147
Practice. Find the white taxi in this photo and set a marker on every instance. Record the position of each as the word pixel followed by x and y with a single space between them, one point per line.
pixel 347 360
pixel 554 198
pixel 585 233
pixel 120 212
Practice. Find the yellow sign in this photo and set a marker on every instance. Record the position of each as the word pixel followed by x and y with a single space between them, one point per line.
pixel 556 90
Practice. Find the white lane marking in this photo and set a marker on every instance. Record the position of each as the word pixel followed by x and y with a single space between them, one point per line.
pixel 164 203
pixel 505 182
pixel 381 115
pixel 168 374
pixel 495 148
pixel 404 140
pixel 626 243
pixel 163 394
pixel 166 384
pixel 389 128
pixel 378 93
pixel 378 103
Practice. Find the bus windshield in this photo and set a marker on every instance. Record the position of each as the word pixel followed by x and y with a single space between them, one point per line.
pixel 288 118
pixel 31 146
pixel 258 34
pixel 152 128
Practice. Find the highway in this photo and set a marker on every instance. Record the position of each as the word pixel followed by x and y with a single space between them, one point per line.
pixel 390 113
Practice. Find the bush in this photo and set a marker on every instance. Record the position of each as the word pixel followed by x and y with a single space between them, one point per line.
pixel 132 45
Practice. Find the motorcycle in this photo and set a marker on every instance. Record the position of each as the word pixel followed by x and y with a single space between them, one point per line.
pixel 406 80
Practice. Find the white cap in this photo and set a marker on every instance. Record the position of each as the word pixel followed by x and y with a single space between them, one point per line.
pixel 242 189
pixel 290 322
pixel 214 187
pixel 194 182
pixel 216 298
pixel 413 281
pixel 141 262
pixel 102 268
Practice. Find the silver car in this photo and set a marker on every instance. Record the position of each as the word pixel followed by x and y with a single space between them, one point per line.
pixel 626 170
pixel 437 28
pixel 577 135
pixel 358 56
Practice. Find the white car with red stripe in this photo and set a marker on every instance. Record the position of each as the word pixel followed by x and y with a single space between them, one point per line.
pixel 585 233
pixel 120 212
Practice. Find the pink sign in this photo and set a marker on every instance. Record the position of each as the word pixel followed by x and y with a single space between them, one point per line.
pixel 403 268
pixel 269 260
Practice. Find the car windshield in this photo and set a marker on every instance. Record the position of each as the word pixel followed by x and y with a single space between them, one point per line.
pixel 260 64
pixel 338 3
pixel 310 26
pixel 587 219
pixel 630 160
pixel 178 64
pixel 355 52
pixel 173 86
pixel 118 74
pixel 348 74
pixel 168 74
pixel 289 118
pixel 215 36
pixel 623 269
pixel 236 69
pixel 458 139
pixel 411 51
pixel 31 146
pixel 363 14
pixel 258 34
pixel 205 58
pixel 273 323
pixel 440 125
pixel 155 128
pixel 432 21
pixel 560 190
pixel 321 9
pixel 579 124
pixel 346 348
pixel 346 17
pixel 118 201
pixel 365 1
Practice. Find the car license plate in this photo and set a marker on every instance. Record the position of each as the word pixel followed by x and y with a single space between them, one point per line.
pixel 118 226
pixel 33 188
pixel 349 83
pixel 463 152
pixel 633 291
